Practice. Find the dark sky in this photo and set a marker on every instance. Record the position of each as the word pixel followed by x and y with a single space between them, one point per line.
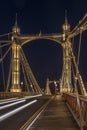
pixel 45 57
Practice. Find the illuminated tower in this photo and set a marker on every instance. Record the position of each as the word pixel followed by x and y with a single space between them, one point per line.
pixel 47 89
pixel 15 60
pixel 65 85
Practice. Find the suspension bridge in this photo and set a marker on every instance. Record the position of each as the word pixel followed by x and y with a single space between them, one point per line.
pixel 51 110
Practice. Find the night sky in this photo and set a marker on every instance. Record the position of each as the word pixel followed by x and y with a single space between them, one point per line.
pixel 44 56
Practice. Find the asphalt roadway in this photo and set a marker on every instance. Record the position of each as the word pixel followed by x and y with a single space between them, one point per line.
pixel 15 121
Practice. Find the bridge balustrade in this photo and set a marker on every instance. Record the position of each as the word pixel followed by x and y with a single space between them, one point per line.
pixel 72 101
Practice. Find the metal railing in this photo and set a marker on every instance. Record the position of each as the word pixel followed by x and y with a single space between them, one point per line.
pixel 78 109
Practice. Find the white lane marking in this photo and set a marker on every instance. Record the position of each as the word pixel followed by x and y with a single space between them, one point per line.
pixel 12 104
pixel 5 116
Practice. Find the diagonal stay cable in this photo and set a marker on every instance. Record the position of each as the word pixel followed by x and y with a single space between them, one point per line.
pixel 36 86
pixel 5 45
pixel 79 49
pixel 5 54
pixel 25 68
pixel 6 34
pixel 9 77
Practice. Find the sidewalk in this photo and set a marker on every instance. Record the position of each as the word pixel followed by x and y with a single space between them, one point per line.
pixel 55 117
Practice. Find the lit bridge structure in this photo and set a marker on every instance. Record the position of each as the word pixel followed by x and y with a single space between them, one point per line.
pixel 71 83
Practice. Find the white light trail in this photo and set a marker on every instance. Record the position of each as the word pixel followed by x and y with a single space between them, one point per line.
pixel 28 97
pixel 11 104
pixel 5 116
pixel 4 100
pixel 10 101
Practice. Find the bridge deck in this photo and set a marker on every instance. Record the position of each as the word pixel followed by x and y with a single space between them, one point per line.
pixel 56 116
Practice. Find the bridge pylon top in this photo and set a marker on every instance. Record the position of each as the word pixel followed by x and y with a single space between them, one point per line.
pixel 16 28
pixel 66 25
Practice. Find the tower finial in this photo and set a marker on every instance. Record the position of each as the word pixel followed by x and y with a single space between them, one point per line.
pixel 66 26
pixel 16 21
pixel 66 21
pixel 15 28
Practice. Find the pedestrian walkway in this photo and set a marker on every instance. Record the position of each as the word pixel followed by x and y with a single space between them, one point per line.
pixel 56 116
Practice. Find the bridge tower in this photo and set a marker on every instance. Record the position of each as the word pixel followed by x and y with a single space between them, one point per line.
pixel 65 84
pixel 47 89
pixel 15 60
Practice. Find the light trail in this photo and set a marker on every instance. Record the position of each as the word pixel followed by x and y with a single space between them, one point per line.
pixel 33 96
pixel 4 100
pixel 5 116
pixel 10 101
pixel 28 97
pixel 11 104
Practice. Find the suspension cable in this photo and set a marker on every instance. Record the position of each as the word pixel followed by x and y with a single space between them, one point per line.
pixel 2 70
pixel 6 34
pixel 24 65
pixel 26 71
pixel 79 49
pixel 5 54
pixel 23 69
pixel 36 86
pixel 24 76
pixel 81 22
pixel 9 72
pixel 74 75
pixel 9 77
pixel 4 45
pixel 72 42
pixel 82 87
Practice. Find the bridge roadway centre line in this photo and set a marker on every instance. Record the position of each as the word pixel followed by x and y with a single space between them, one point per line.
pixel 5 116
pixel 27 97
pixel 12 104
